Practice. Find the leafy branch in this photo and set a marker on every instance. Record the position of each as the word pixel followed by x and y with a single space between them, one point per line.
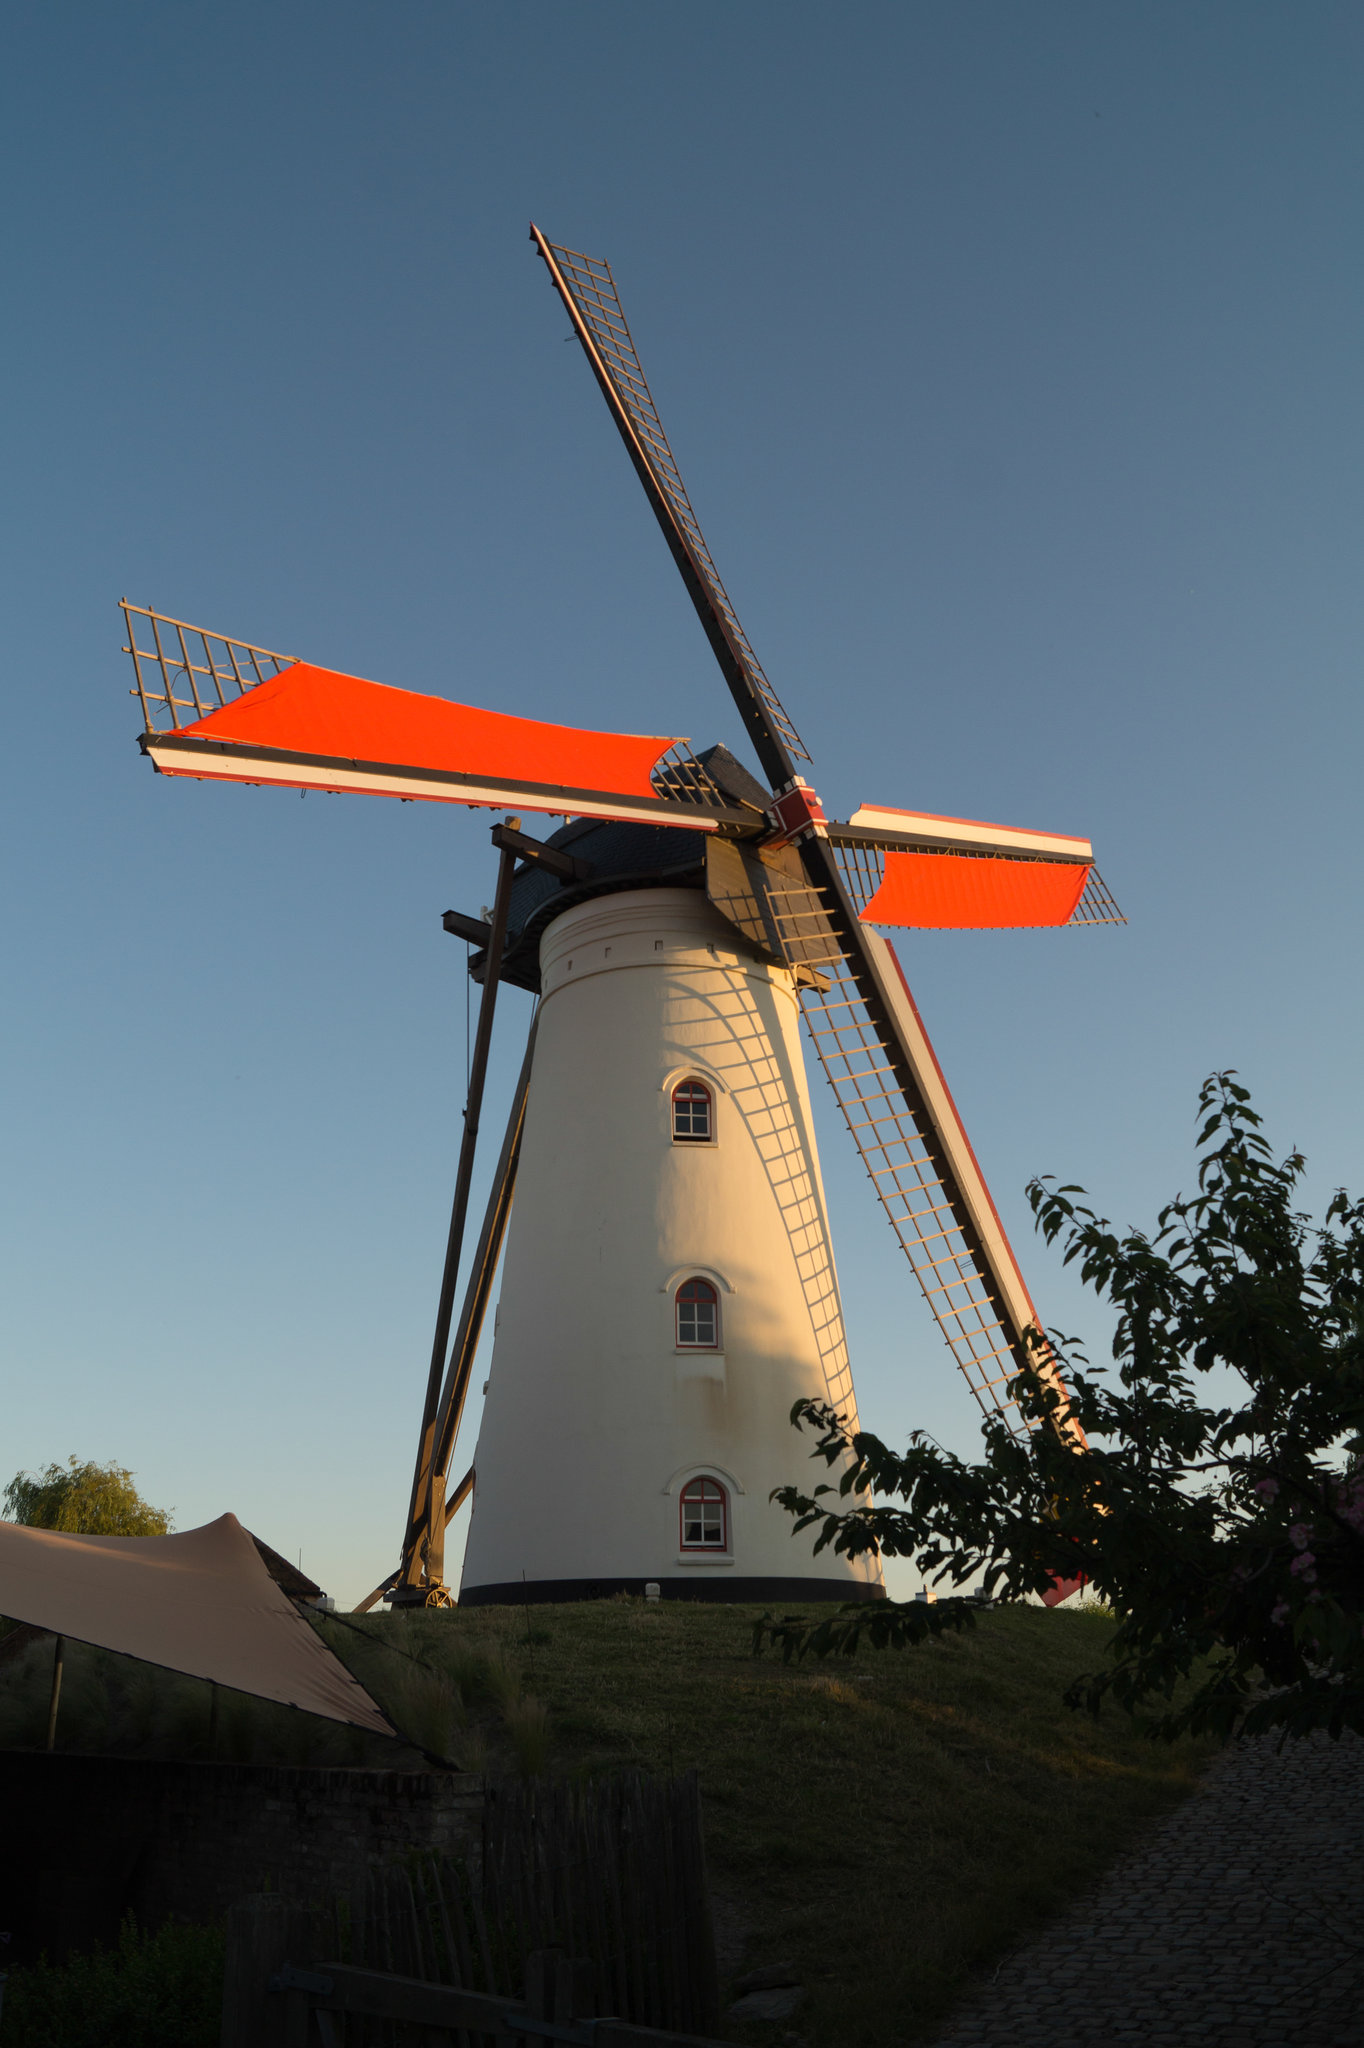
pixel 1227 1534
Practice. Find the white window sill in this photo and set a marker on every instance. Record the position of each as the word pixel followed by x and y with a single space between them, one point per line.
pixel 701 1557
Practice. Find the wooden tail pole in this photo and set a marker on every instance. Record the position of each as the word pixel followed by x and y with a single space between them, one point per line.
pixel 452 1507
pixel 469 1329
pixel 419 1517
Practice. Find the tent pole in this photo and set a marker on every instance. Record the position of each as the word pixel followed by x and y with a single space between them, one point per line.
pixel 58 1658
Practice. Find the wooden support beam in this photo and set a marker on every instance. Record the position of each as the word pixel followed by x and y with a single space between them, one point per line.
pixel 540 855
pixel 487 1252
pixel 459 1496
pixel 471 928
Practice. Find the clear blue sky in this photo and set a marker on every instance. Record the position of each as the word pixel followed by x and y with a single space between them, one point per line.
pixel 1011 355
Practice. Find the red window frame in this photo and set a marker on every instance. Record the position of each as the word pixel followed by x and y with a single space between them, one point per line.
pixel 703 1493
pixel 692 1297
pixel 689 1096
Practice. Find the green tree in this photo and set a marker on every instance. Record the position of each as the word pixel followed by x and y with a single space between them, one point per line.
pixel 1219 1506
pixel 87 1499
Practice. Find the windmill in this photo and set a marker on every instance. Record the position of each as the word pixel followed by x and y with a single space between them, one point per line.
pixel 669 1284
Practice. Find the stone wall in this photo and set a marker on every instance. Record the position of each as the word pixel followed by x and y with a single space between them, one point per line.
pixel 88 1839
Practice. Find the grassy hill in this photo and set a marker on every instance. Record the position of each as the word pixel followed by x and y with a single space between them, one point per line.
pixel 889 1823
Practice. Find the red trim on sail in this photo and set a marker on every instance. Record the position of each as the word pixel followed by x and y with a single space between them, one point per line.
pixel 956 891
pixel 310 710
pixel 964 1140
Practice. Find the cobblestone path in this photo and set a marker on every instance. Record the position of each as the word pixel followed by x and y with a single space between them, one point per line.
pixel 1240 1924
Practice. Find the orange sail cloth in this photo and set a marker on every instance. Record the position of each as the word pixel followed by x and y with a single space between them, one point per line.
pixel 955 891
pixel 201 1602
pixel 308 710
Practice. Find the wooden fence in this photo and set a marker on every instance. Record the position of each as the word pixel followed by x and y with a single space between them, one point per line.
pixel 614 1871
pixel 609 1873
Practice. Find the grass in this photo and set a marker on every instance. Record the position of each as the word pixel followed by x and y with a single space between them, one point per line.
pixel 467 1705
pixel 890 1823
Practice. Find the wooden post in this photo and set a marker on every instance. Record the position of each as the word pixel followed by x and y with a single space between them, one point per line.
pixel 58 1659
pixel 540 1982
pixel 558 1988
pixel 263 1933
pixel 582 1989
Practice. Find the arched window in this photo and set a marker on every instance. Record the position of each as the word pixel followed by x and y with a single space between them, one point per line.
pixel 693 1113
pixel 698 1316
pixel 705 1515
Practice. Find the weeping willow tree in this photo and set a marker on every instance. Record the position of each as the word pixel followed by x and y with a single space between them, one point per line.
pixel 84 1499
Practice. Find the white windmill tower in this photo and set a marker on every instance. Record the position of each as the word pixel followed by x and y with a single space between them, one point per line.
pixel 669 1287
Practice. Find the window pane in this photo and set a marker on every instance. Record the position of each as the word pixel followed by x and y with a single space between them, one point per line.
pixel 691 1111
pixel 698 1315
pixel 703 1515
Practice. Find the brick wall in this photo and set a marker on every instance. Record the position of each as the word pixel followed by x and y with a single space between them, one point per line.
pixel 87 1839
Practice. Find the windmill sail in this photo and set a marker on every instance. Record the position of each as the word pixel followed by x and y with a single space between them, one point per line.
pixel 228 711
pixel 887 1081
pixel 861 1016
pixel 914 869
pixel 926 1176
pixel 879 825
pixel 588 290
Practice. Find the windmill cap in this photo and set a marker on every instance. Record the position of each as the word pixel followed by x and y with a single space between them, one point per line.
pixel 621 855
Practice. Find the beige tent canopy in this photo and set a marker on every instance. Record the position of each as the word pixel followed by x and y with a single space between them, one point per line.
pixel 202 1603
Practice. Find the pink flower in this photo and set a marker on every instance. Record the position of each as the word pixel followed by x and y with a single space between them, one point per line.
pixel 1301 1567
pixel 1299 1535
pixel 1278 1613
pixel 1268 1489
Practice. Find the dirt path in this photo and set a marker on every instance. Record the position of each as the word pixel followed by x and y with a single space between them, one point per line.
pixel 1240 1924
